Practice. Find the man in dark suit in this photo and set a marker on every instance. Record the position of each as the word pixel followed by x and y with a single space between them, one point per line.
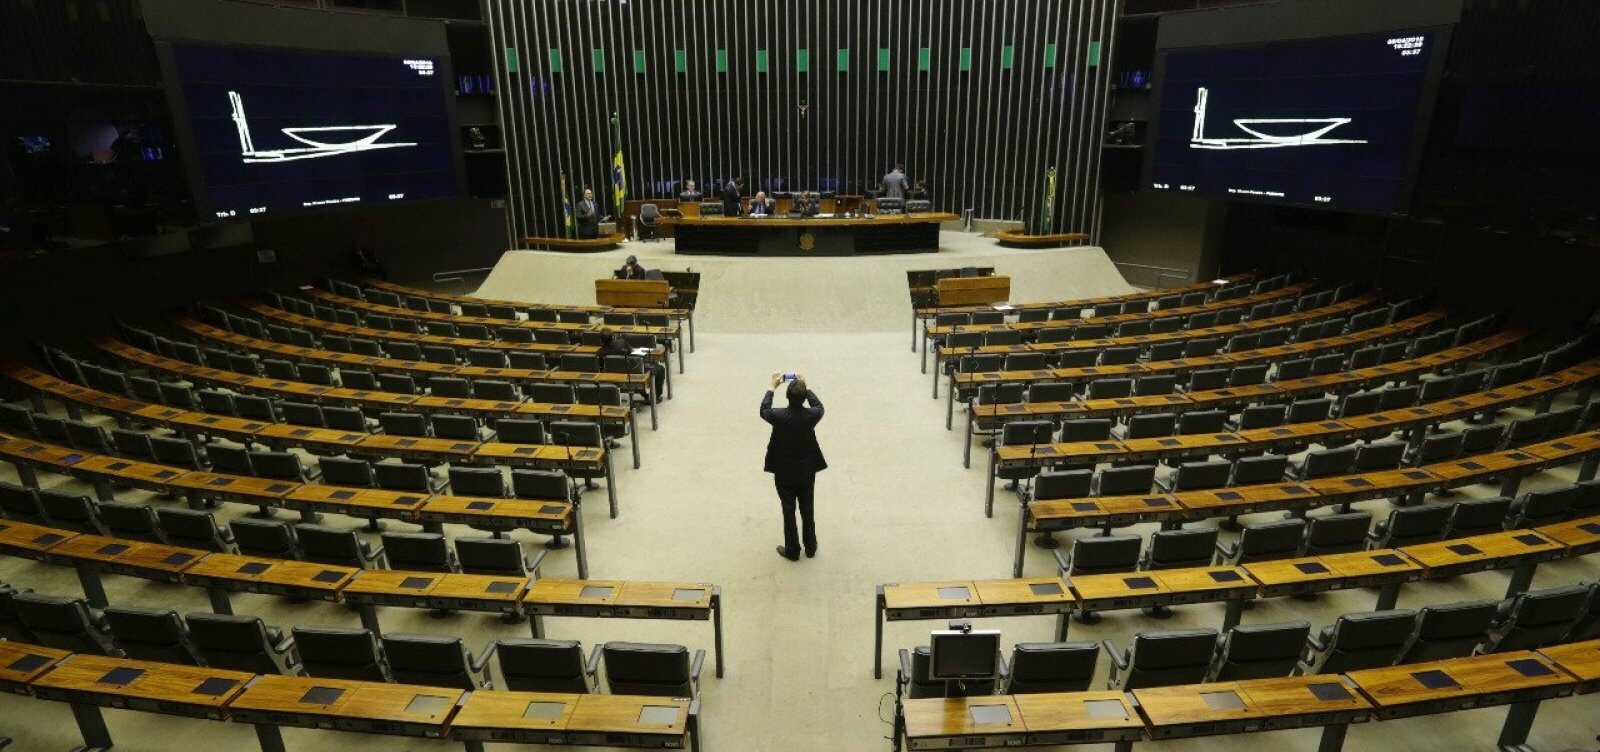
pixel 794 459
pixel 806 204
pixel 611 344
pixel 631 269
pixel 588 215
pixel 761 206
pixel 731 194
pixel 691 193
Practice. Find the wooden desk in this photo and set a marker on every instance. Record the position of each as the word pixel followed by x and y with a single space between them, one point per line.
pixel 1018 237
pixel 963 723
pixel 272 701
pixel 1236 707
pixel 221 574
pixel 553 456
pixel 21 663
pixel 1581 537
pixel 1079 718
pixel 1580 659
pixel 398 289
pixel 516 717
pixel 633 293
pixel 972 290
pixel 697 601
pixel 969 599
pixel 91 555
pixel 90 682
pixel 433 590
pixel 808 236
pixel 546 718
pixel 581 245
pixel 1521 549
pixel 1166 587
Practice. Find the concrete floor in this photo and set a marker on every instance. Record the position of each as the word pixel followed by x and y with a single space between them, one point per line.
pixel 894 506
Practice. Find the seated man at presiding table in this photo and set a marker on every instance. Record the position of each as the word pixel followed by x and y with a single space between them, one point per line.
pixel 806 205
pixel 761 206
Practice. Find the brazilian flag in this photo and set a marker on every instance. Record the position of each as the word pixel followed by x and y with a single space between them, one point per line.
pixel 619 179
pixel 1047 207
pixel 569 226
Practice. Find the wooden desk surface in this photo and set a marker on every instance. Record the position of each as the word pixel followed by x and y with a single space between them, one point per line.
pixel 623 714
pixel 509 513
pixel 620 593
pixel 1297 695
pixel 30 541
pixel 1458 682
pixel 307 322
pixel 1581 536
pixel 279 699
pixel 235 486
pixel 520 305
pixel 1580 659
pixel 670 330
pixel 251 573
pixel 167 687
pixel 530 711
pixel 936 717
pixel 1087 511
pixel 1082 303
pixel 951 593
pixel 1244 499
pixel 550 454
pixel 131 472
pixel 390 504
pixel 1186 705
pixel 1120 318
pixel 1566 446
pixel 21 663
pixel 1484 551
pixel 393 585
pixel 1105 710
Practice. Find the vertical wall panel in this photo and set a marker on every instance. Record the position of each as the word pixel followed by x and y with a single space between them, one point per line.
pixel 981 138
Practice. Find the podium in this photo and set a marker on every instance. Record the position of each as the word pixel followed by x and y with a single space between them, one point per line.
pixel 632 293
pixel 958 291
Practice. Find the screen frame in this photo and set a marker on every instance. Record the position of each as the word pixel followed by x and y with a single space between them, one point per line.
pixel 1421 122
pixel 991 636
pixel 199 192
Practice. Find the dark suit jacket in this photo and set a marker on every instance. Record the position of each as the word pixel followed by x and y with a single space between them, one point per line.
pixel 793 448
pixel 730 200
pixel 759 207
pixel 588 215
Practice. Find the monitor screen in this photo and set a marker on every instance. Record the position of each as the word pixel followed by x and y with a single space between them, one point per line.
pixel 1333 122
pixel 964 655
pixel 276 131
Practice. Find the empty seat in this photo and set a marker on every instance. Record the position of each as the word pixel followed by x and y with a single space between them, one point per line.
pixel 337 546
pixel 1162 658
pixel 345 419
pixel 1259 651
pixel 490 389
pixel 1086 429
pixel 1131 479
pixel 282 466
pixel 1448 631
pixel 519 431
pixel 1149 425
pixel 1175 549
pixel 335 653
pixel 242 643
pixel 1146 386
pixel 447 386
pixel 1264 542
pixel 1407 526
pixel 404 476
pixel 174 451
pixel 1380 455
pixel 255 408
pixel 1535 618
pixel 435 661
pixel 302 414
pixel 1585 504
pixel 1202 421
pixel 477 481
pixel 65 623
pixel 1437 449
pixel 1266 468
pixel 1195 476
pixel 71 511
pixel 152 634
pixel 1336 534
pixel 1359 641
pixel 342 471
pixel 1109 388
pixel 265 538
pixel 1480 439
pixel 135 521
pixel 1062 484
pixel 1533 509
pixel 501 557
pixel 1478 516
pixel 1323 463
pixel 1260 416
pixel 650 669
pixel 423 552
pixel 1207 379
pixel 1050 667
pixel 403 424
pixel 459 427
pixel 534 665
pixel 192 528
pixel 10 626
pixel 358 379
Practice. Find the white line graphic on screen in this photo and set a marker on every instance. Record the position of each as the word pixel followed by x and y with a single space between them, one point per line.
pixel 360 138
pixel 1300 131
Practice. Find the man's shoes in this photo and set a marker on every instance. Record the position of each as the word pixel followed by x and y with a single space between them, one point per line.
pixel 787 555
pixel 812 554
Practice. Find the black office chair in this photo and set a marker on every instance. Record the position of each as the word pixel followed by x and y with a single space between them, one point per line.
pixel 1106 554
pixel 65 623
pixel 1478 516
pixel 1533 509
pixel 1407 526
pixel 1336 534
pixel 71 511
pixel 152 634
pixel 1177 549
pixel 1534 618
pixel 335 653
pixel 1264 542
pixel 422 552
pixel 337 546
pixel 243 643
pixel 266 538
pixel 10 624
pixel 650 669
pixel 436 661
pixel 532 665
pixel 1449 631
pixel 1161 658
pixel 1358 641
pixel 1049 667
pixel 192 528
pixel 501 557
pixel 1259 651
pixel 649 220
pixel 548 485
pixel 21 504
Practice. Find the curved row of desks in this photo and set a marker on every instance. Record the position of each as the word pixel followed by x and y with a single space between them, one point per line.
pixel 431 511
pixel 366 589
pixel 1521 679
pixel 271 701
pixel 1386 569
pixel 1270 296
pixel 1087 303
pixel 627 383
pixel 1030 457
pixel 678 314
pixel 1241 396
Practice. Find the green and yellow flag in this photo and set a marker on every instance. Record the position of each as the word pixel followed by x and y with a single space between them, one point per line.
pixel 1047 207
pixel 569 227
pixel 619 179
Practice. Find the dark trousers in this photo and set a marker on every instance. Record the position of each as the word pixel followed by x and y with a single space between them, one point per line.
pixel 796 491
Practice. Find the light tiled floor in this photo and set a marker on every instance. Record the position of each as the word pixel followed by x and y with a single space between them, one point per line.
pixel 895 506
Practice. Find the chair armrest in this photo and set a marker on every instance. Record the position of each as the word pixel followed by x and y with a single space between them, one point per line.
pixel 593 667
pixel 1119 662
pixel 1063 558
pixel 481 662
pixel 1226 551
pixel 1005 674
pixel 377 556
pixel 538 559
pixel 1314 642
pixel 905 663
pixel 699 662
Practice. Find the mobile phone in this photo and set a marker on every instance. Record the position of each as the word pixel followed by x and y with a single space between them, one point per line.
pixel 788 377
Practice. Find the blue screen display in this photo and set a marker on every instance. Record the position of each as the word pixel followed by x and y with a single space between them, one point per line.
pixel 1326 122
pixel 279 131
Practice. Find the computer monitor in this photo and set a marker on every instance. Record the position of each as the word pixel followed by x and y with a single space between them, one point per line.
pixel 956 655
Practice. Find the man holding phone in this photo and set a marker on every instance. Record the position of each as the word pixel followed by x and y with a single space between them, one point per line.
pixel 794 458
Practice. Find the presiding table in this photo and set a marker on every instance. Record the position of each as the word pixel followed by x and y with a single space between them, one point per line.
pixel 808 236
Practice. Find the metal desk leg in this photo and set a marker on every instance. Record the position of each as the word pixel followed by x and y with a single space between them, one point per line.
pixel 716 625
pixel 1587 470
pixel 966 443
pixel 936 377
pixel 924 340
pixel 221 603
pixel 369 618
pixel 1509 485
pixel 666 380
pixel 1519 721
pixel 1234 612
pixel 693 726
pixel 680 351
pixel 1388 596
pixel 195 500
pixel 310 516
pixel 877 640
pixel 536 626
pixel 633 437
pixel 1333 737
pixel 913 330
pixel 92 724
pixel 1126 745
pixel 269 737
pixel 1022 540
pixel 1063 621
pixel 472 746
pixel 988 491
pixel 950 403
pixel 650 394
pixel 93 589
pixel 611 486
pixel 26 475
pixel 1521 578
pixel 579 543
pixel 102 490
